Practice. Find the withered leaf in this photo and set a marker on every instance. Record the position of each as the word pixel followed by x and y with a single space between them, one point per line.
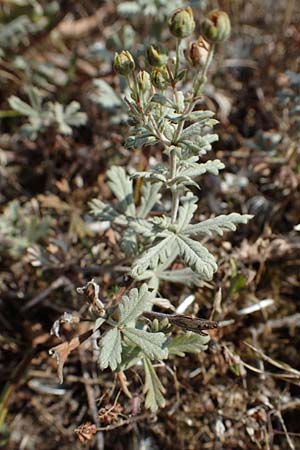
pixel 62 351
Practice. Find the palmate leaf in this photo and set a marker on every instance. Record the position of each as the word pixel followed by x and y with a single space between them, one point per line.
pixel 153 388
pixel 217 225
pixel 187 343
pixel 121 186
pixel 134 304
pixel 110 349
pixel 197 257
pixel 150 343
pixel 106 96
pixel 155 255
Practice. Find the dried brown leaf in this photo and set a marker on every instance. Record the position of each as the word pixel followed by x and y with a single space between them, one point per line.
pixel 62 351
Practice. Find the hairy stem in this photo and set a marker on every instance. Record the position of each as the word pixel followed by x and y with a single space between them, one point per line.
pixel 199 83
pixel 175 193
pixel 178 42
pixel 202 78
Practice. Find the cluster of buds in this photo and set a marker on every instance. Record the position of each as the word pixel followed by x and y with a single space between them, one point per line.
pixel 215 28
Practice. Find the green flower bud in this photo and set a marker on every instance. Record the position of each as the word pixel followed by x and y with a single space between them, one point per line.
pixel 155 326
pixel 124 63
pixel 216 27
pixel 143 81
pixel 182 23
pixel 157 55
pixel 160 77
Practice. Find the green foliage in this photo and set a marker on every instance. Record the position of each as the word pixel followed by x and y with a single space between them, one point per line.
pixel 187 343
pixel 20 228
pixel 110 349
pixel 126 332
pixel 47 115
pixel 25 18
pixel 153 388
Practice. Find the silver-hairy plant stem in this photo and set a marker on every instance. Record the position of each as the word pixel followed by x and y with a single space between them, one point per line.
pixel 175 193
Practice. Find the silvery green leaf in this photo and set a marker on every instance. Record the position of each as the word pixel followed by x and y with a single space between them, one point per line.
pixel 15 31
pixel 176 117
pixel 131 355
pixel 142 227
pixel 155 255
pixel 58 117
pixel 129 242
pixel 121 185
pixel 182 276
pixel 21 107
pixel 35 98
pixel 129 9
pixel 186 210
pixel 150 343
pixel 105 212
pixel 152 279
pixel 199 145
pixel 160 99
pixel 134 304
pixel 196 256
pixel 182 180
pixel 196 169
pixel 73 116
pixel 106 96
pixel 110 349
pixel 156 174
pixel 66 117
pixel 217 224
pixel 200 117
pixel 169 130
pixel 196 129
pixel 153 388
pixel 150 196
pixel 187 343
pixel 140 138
